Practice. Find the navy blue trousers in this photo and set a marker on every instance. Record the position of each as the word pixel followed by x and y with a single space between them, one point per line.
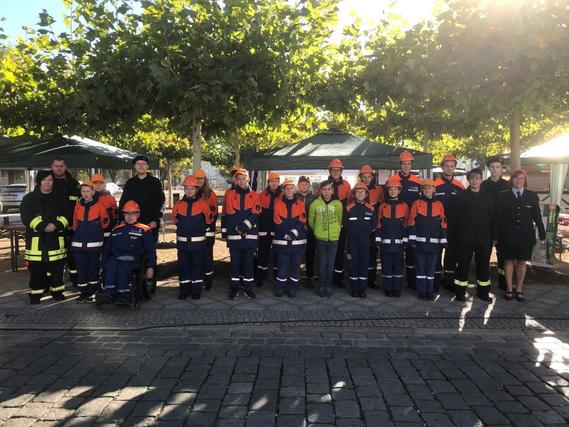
pixel 208 258
pixel 392 266
pixel 191 265
pixel 263 253
pixel 288 273
pixel 425 264
pixel 88 264
pixel 117 277
pixel 241 267
pixel 358 262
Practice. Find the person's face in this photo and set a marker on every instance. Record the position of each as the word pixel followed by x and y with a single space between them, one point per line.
pixel 303 186
pixel 393 192
pixel 46 184
pixel 242 180
pixel 327 192
pixel 406 167
pixel 201 181
pixel 475 180
pixel 360 195
pixel 131 217
pixel 99 186
pixel 274 184
pixel 336 173
pixel 87 192
pixel 428 191
pixel 289 191
pixel 234 179
pixel 495 169
pixel 141 167
pixel 58 167
pixel 519 181
pixel 190 190
pixel 449 167
pixel 366 178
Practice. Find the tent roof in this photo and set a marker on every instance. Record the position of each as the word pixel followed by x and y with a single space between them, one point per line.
pixel 35 153
pixel 555 150
pixel 316 151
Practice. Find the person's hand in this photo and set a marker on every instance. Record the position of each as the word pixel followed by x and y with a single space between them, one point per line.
pixel 288 238
pixel 50 228
pixel 149 273
pixel 152 224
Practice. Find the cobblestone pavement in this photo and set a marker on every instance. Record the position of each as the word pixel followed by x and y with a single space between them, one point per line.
pixel 284 376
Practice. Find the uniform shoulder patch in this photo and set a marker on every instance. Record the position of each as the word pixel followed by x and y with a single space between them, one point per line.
pixel 142 226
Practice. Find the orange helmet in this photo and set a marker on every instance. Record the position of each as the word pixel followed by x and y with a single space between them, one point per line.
pixel 335 163
pixel 191 181
pixel 427 181
pixel 288 181
pixel 360 186
pixel 97 178
pixel 131 206
pixel 86 184
pixel 406 156
pixel 393 182
pixel 234 170
pixel 366 169
pixel 241 171
pixel 199 173
pixel 274 175
pixel 449 158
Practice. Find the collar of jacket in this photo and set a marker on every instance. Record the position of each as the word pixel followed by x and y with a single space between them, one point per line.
pixel 392 201
pixel 190 199
pixel 339 182
pixel 87 203
pixel 242 190
pixel 65 177
pixel 289 201
pixel 426 199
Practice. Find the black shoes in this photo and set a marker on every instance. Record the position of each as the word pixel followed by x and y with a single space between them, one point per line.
pixel 279 292
pixel 291 293
pixel 233 293
pixel 396 294
pixel 35 299
pixel 183 296
pixel 389 293
pixel 460 296
pixel 355 294
pixel 309 283
pixel 84 299
pixel 362 294
pixel 196 296
pixel 58 296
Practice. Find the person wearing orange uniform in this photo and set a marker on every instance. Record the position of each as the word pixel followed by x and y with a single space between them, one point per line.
pixel 427 233
pixel 108 201
pixel 410 191
pixel 375 197
pixel 210 197
pixel 90 219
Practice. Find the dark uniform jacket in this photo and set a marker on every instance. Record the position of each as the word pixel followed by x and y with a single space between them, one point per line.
pixel 241 209
pixel 267 198
pixel 68 190
pixel 427 225
pixel 360 221
pixel 410 187
pixel 289 218
pixel 90 219
pixel 149 195
pixel 494 188
pixel 192 215
pixel 472 216
pixel 37 210
pixel 515 218
pixel 110 204
pixel 391 232
pixel 131 240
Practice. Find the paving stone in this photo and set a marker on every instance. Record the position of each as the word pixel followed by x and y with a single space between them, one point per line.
pixel 206 405
pixel 201 419
pixel 437 420
pixel 404 414
pixel 291 405
pixel 291 421
pixel 524 420
pixel 260 419
pixel 320 413
pixel 549 417
pixel 346 409
pixel 490 415
pixel 263 400
pixel 233 412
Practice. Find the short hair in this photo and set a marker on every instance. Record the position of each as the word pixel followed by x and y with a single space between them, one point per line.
pixel 326 183
pixel 57 159
pixel 494 160
pixel 475 171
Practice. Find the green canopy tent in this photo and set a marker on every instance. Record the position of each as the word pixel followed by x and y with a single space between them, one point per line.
pixel 316 151
pixel 80 153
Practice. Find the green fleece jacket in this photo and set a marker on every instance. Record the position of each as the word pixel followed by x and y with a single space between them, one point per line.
pixel 325 219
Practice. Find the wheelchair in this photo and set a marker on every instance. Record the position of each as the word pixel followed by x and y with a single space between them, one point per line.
pixel 141 289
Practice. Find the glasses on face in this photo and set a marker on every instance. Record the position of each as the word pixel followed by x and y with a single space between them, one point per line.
pixel 131 213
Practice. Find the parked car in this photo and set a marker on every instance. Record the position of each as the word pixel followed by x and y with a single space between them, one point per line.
pixel 11 196
pixel 563 218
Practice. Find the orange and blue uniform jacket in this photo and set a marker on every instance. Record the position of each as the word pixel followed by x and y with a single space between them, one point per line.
pixel 289 218
pixel 342 191
pixel 268 199
pixel 212 203
pixel 192 215
pixel 391 230
pixel 89 222
pixel 360 221
pixel 134 240
pixel 375 195
pixel 110 204
pixel 446 190
pixel 410 187
pixel 427 225
pixel 241 209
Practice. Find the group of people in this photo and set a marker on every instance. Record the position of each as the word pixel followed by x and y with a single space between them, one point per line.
pixel 410 222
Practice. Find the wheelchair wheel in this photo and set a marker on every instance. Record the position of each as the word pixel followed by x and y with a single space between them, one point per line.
pixel 148 287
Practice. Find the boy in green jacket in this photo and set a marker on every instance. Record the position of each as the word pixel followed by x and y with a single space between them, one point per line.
pixel 325 219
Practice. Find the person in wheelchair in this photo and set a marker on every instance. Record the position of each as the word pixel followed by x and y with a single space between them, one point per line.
pixel 129 242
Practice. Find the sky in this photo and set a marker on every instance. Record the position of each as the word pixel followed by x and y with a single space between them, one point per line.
pixel 20 13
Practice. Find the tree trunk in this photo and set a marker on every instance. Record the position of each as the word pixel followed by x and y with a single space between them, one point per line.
pixel 196 144
pixel 169 171
pixel 112 174
pixel 237 156
pixel 515 150
pixel 426 141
